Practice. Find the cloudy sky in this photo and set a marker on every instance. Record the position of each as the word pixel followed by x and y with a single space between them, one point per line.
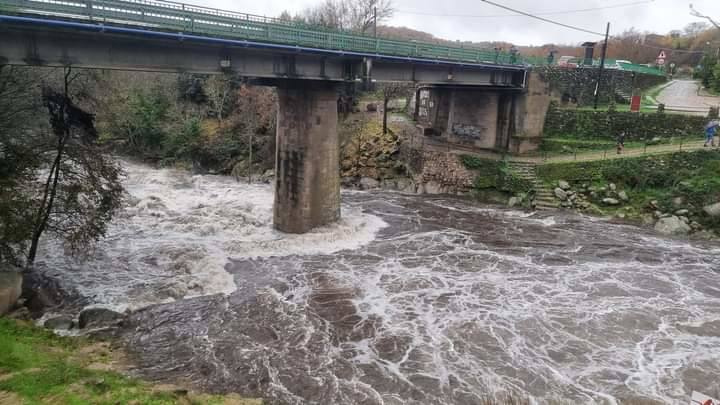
pixel 467 19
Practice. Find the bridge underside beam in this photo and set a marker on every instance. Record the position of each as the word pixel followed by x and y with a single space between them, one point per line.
pixel 110 47
pixel 445 75
pixel 96 50
pixel 307 160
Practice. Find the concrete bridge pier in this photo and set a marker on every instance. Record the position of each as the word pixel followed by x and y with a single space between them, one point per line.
pixel 307 157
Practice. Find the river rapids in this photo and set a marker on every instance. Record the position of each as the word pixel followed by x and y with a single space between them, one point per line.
pixel 408 300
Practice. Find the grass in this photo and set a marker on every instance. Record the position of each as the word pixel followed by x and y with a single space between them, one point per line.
pixel 38 367
pixel 558 146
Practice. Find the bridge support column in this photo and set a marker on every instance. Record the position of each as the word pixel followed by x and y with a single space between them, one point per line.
pixel 530 109
pixel 307 169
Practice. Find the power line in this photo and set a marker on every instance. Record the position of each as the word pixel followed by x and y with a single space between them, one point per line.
pixel 537 17
pixel 543 19
pixel 581 10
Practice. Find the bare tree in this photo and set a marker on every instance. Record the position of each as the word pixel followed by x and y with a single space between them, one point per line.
pixel 358 15
pixel 220 90
pixel 698 14
pixel 82 190
pixel 391 91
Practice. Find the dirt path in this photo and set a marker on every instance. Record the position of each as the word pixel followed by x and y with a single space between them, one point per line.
pixel 438 146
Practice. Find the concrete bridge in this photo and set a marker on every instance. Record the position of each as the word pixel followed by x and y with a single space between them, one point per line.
pixel 484 96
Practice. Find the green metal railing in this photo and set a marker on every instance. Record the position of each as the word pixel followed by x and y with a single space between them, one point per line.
pixel 178 17
pixel 641 69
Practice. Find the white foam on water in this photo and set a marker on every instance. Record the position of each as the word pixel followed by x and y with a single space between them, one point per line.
pixel 178 232
pixel 604 327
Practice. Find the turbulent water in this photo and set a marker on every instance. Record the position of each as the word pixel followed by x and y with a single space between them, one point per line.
pixel 409 300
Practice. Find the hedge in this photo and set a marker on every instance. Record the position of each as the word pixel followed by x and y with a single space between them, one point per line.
pixel 608 124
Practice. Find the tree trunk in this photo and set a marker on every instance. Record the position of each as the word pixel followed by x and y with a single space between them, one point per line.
pixel 50 191
pixel 47 203
pixel 250 157
pixel 385 107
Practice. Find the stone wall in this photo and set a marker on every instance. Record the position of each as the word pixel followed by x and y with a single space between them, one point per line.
pixel 577 86
pixel 443 173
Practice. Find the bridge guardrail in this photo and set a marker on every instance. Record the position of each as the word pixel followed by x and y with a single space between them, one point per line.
pixel 186 18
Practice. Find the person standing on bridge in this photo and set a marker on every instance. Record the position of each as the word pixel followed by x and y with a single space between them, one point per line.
pixel 710 129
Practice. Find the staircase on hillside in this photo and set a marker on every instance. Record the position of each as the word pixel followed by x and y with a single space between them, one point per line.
pixel 544 197
pixel 624 95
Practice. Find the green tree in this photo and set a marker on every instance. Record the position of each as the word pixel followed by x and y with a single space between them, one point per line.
pixel 19 161
pixel 143 124
pixel 715 83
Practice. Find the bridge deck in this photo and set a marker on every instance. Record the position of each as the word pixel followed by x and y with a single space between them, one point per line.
pixel 164 15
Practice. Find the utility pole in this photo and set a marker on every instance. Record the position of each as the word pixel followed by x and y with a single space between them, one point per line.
pixel 375 21
pixel 602 65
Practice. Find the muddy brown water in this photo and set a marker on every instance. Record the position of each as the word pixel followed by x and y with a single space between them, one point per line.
pixel 411 300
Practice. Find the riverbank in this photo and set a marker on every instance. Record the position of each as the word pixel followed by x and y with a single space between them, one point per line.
pixel 39 367
pixel 676 193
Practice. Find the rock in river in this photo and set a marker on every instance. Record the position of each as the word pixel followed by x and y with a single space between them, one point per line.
pixel 672 226
pixel 99 317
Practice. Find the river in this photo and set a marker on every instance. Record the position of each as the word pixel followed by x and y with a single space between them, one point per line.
pixel 408 300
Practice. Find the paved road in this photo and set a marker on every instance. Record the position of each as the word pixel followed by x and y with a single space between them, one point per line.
pixel 682 95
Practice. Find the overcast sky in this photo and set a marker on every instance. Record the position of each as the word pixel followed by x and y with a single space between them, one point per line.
pixel 452 19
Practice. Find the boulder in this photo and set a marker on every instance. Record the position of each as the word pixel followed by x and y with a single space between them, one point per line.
pixel 514 201
pixel 623 196
pixel 678 202
pixel 367 183
pixel 610 201
pixel 371 107
pixel 268 176
pixel 654 204
pixel 432 187
pixel 10 290
pixel 672 226
pixel 405 185
pixel 713 209
pixel 682 213
pixel 564 185
pixel 560 194
pixel 612 186
pixel 99 317
pixel 59 323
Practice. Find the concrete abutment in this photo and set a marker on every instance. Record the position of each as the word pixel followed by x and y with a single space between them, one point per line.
pixel 307 181
pixel 502 119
